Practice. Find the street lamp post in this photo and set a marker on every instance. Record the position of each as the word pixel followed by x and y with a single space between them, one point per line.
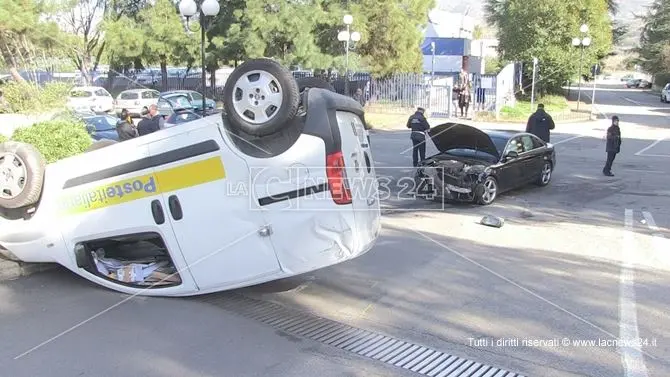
pixel 347 36
pixel 581 43
pixel 208 8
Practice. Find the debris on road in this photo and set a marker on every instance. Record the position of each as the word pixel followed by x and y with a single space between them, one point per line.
pixel 493 221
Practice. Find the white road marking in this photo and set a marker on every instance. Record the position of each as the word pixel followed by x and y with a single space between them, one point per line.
pixel 641 151
pixel 568 139
pixel 629 333
pixel 632 101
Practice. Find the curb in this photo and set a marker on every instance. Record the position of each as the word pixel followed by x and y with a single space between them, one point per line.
pixel 10 270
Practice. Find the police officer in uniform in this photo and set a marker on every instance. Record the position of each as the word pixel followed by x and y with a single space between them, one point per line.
pixel 419 125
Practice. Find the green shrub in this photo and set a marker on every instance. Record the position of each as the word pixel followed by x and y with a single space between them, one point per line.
pixel 25 97
pixel 22 96
pixel 54 95
pixel 55 139
pixel 2 138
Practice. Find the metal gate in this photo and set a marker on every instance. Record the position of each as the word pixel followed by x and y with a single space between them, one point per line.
pixel 440 103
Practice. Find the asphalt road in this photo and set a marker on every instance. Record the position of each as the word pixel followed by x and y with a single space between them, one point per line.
pixel 563 266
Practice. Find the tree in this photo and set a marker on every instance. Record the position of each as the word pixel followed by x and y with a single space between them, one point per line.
pixel 654 51
pixel 164 35
pixel 22 34
pixel 545 29
pixel 392 34
pixel 83 39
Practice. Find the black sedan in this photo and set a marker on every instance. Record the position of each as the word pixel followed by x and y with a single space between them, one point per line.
pixel 476 165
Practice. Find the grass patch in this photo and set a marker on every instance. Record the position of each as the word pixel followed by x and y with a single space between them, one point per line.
pixel 386 120
pixel 522 109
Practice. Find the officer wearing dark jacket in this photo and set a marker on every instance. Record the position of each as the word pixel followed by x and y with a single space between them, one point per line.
pixel 540 123
pixel 419 125
pixel 125 127
pixel 613 145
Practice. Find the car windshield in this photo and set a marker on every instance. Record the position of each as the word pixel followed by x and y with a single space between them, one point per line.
pixel 500 143
pixel 102 123
pixel 472 153
pixel 179 102
pixel 80 94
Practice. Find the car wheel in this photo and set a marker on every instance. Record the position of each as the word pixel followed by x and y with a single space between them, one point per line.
pixel 21 175
pixel 262 97
pixel 545 175
pixel 488 191
pixel 313 82
pixel 101 144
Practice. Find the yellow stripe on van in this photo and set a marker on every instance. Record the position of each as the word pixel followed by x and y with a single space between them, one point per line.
pixel 143 186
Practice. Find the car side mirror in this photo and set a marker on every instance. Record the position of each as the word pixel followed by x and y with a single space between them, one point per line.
pixel 90 129
pixel 511 155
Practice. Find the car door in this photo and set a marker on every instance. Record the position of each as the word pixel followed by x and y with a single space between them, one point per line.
pixel 117 200
pixel 203 182
pixel 531 159
pixel 510 171
pixel 361 176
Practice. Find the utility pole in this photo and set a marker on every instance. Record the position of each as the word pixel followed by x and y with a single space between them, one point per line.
pixel 596 71
pixel 532 91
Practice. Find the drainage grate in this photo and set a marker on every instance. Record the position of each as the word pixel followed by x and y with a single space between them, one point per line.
pixel 410 356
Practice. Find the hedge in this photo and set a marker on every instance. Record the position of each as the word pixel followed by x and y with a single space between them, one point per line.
pixel 2 138
pixel 55 139
pixel 24 97
pixel 660 79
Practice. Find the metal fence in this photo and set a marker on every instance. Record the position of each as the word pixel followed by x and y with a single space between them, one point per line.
pixel 399 93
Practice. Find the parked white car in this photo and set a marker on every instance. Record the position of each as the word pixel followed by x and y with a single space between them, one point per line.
pixel 281 183
pixel 665 93
pixel 135 99
pixel 93 98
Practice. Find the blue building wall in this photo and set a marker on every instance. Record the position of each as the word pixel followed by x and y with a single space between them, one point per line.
pixel 447 46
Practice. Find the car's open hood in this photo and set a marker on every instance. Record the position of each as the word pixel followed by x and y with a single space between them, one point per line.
pixel 450 136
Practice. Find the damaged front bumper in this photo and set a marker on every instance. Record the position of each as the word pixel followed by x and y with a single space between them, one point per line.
pixel 436 183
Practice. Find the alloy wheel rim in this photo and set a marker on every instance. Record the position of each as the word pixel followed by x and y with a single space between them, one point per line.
pixel 546 173
pixel 13 175
pixel 490 191
pixel 257 97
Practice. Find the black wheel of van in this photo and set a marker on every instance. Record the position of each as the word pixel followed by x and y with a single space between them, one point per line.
pixel 261 97
pixel 21 175
pixel 313 82
pixel 101 144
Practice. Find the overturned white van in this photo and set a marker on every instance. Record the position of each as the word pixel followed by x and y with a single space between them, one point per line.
pixel 281 183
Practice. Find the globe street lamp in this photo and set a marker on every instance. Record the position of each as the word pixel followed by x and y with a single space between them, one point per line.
pixel 208 8
pixel 348 36
pixel 581 43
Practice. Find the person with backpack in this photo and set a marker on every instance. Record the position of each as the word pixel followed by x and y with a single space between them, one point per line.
pixel 613 146
pixel 540 123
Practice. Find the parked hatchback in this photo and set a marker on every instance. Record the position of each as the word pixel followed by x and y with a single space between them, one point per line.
pixel 92 98
pixel 665 93
pixel 194 97
pixel 135 99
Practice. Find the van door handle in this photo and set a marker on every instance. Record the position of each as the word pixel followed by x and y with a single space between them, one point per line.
pixel 175 207
pixel 157 211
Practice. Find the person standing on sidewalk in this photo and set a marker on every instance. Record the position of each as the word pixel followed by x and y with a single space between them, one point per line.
pixel 419 125
pixel 540 124
pixel 613 146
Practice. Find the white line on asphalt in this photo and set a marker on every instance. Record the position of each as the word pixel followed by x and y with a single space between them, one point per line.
pixel 641 151
pixel 568 139
pixel 656 155
pixel 632 101
pixel 631 353
pixel 596 108
pixel 461 255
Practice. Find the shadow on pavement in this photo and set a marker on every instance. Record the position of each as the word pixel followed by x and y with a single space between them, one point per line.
pixel 414 288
